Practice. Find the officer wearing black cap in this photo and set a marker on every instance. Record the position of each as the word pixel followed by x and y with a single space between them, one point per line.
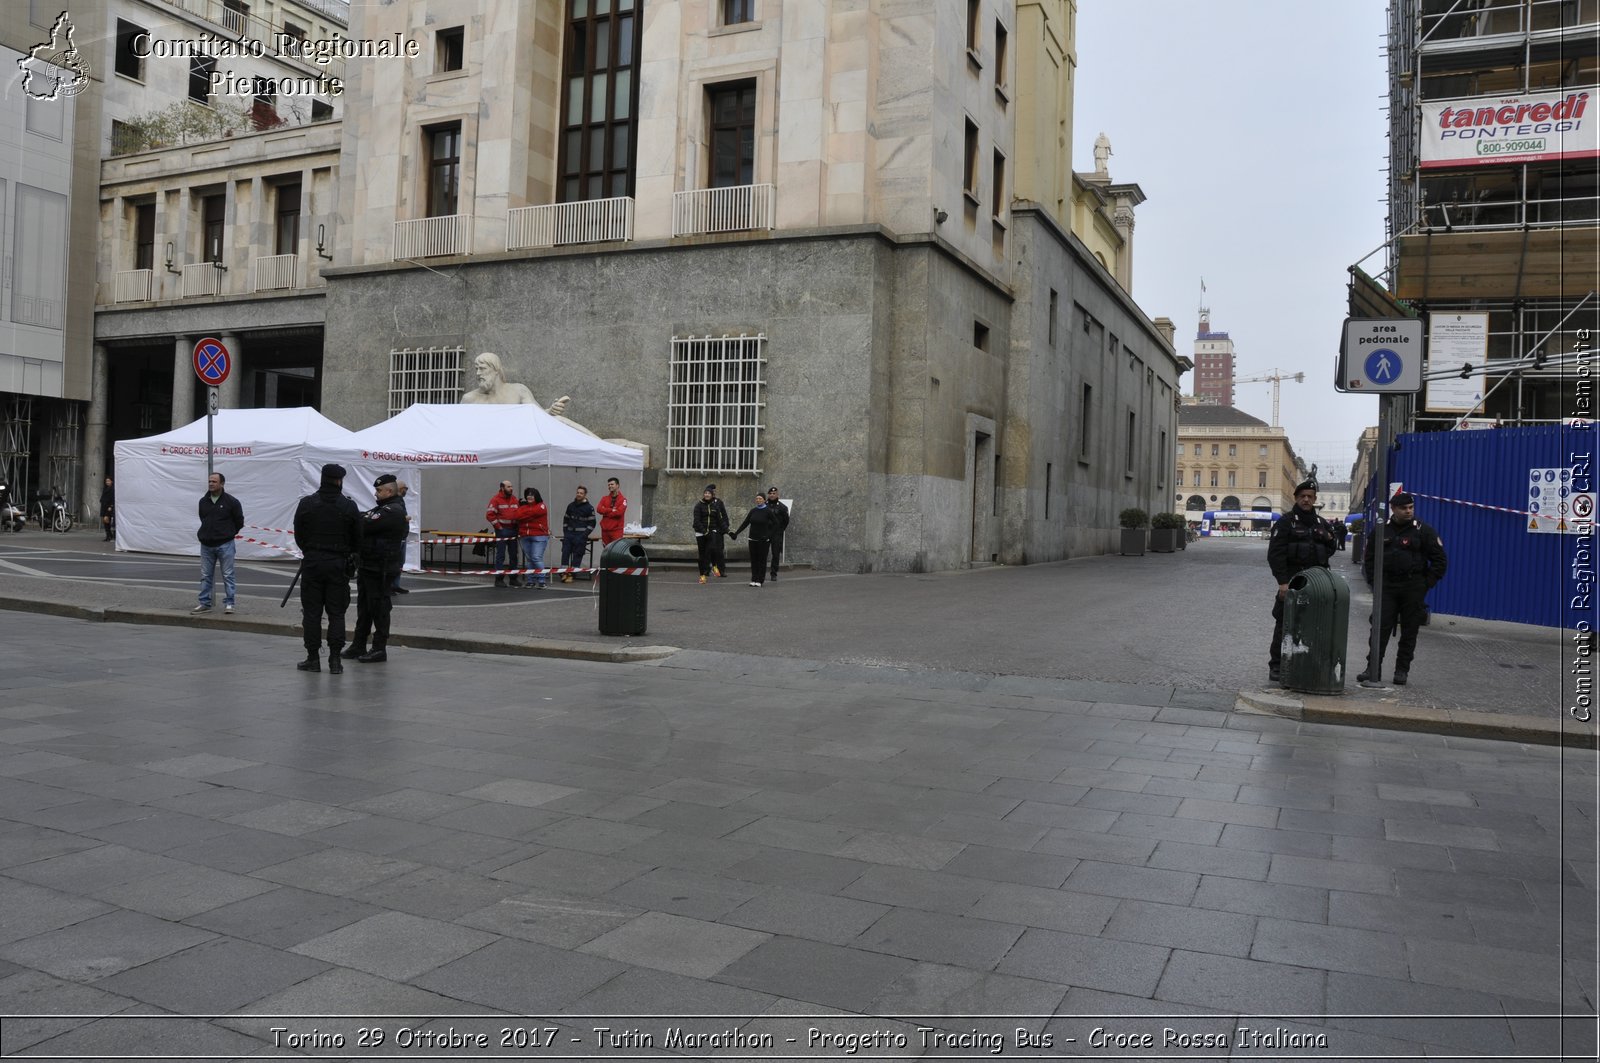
pixel 1413 561
pixel 1302 539
pixel 383 548
pixel 327 530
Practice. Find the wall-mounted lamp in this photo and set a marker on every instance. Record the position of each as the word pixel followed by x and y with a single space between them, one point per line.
pixel 321 243
pixel 216 255
pixel 169 260
pixel 940 215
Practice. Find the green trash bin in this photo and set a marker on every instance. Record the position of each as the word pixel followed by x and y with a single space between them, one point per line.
pixel 624 588
pixel 1316 623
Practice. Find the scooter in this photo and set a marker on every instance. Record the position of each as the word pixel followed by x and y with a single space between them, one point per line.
pixel 50 509
pixel 12 518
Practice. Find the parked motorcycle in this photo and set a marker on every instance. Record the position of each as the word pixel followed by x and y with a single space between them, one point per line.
pixel 12 518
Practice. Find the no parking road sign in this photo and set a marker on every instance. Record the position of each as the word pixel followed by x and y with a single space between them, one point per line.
pixel 1380 356
pixel 212 362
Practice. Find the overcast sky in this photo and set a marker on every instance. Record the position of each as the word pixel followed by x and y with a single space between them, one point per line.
pixel 1257 130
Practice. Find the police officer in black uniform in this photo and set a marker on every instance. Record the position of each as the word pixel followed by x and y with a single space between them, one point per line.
pixel 328 531
pixel 1302 539
pixel 383 550
pixel 1413 561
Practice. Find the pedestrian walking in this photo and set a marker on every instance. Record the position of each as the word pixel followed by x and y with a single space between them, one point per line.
pixel 108 509
pixel 382 551
pixel 1413 561
pixel 327 528
pixel 760 522
pixel 576 527
pixel 611 509
pixel 533 531
pixel 221 519
pixel 1301 539
pixel 395 588
pixel 502 516
pixel 710 522
pixel 780 524
pixel 1341 532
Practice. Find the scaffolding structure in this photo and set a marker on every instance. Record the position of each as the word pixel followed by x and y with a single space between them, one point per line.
pixel 63 453
pixel 16 434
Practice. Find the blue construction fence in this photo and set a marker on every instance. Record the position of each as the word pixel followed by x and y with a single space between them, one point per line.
pixel 1480 490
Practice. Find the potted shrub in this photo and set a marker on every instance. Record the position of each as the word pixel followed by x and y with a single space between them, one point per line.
pixel 1134 521
pixel 1167 532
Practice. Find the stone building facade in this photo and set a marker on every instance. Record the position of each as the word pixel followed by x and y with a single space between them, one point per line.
pixel 849 223
pixel 947 374
pixel 1228 459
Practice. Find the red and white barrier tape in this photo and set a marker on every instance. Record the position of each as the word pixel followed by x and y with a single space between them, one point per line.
pixel 460 539
pixel 1498 509
pixel 532 571
pixel 280 531
pixel 291 551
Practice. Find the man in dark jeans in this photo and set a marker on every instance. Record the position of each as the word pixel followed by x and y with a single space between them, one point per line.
pixel 221 518
pixel 327 530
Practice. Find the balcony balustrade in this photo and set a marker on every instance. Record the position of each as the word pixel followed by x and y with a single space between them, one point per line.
pixel 202 278
pixel 133 286
pixel 274 272
pixel 740 208
pixel 590 221
pixel 447 234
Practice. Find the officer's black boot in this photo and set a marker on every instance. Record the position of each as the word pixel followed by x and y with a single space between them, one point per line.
pixel 1402 672
pixel 312 663
pixel 354 650
pixel 378 654
pixel 335 665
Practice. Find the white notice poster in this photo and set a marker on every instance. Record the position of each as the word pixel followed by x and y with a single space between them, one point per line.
pixel 1456 340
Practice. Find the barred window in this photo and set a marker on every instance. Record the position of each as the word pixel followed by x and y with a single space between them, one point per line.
pixel 424 374
pixel 714 404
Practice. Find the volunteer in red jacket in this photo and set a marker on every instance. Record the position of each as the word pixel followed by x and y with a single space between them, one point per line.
pixel 502 514
pixel 533 529
pixel 611 508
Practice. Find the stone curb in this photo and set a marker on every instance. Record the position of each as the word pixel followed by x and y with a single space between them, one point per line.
pixel 1464 723
pixel 216 621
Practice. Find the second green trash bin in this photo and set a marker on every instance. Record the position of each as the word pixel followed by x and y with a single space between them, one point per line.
pixel 624 593
pixel 1316 623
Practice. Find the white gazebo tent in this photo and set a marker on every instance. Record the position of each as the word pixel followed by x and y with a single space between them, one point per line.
pixel 160 479
pixel 461 451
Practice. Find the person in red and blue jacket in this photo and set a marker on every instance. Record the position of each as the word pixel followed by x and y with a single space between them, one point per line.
pixel 502 515
pixel 533 529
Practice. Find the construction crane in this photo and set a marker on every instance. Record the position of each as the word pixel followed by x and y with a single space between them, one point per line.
pixel 1277 377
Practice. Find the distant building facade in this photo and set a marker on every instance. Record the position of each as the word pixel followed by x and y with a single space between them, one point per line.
pixel 1227 459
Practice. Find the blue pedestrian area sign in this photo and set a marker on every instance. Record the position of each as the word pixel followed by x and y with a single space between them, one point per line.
pixel 1380 356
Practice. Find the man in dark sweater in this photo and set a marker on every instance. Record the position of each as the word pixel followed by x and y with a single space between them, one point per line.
pixel 221 518
pixel 383 549
pixel 1302 539
pixel 327 528
pixel 1413 561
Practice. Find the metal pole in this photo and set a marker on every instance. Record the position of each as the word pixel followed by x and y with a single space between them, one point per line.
pixel 211 416
pixel 1379 518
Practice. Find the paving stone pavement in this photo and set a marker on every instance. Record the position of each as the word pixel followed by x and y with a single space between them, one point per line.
pixel 198 842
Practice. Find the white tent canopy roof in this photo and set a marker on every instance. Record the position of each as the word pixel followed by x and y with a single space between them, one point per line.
pixel 160 478
pixel 236 427
pixel 477 434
